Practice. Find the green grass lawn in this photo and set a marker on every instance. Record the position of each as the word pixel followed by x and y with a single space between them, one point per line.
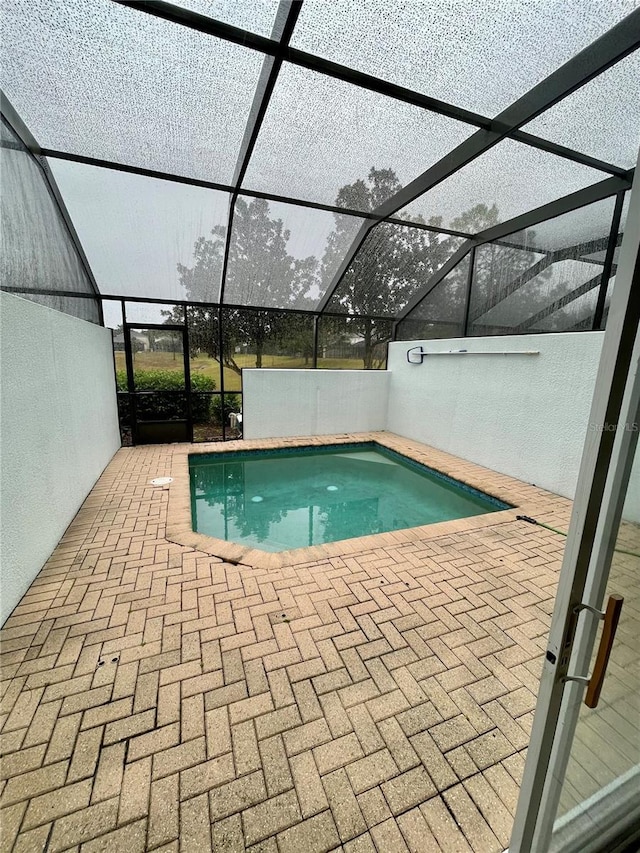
pixel 209 366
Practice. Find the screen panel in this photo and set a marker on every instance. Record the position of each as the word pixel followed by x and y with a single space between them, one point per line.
pixel 528 308
pixel 146 237
pixel 154 312
pixel 602 118
pixel 574 315
pixel 353 343
pixel 203 327
pixel 125 86
pixel 507 180
pixel 437 48
pixel 441 313
pixel 586 227
pixel 392 264
pixel 517 279
pixel 321 135
pixel 284 255
pixel 37 249
pixel 264 338
pixel 257 16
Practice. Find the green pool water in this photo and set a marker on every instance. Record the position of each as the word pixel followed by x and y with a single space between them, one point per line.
pixel 277 500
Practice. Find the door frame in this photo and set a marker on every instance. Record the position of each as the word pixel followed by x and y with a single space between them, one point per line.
pixel 602 481
pixel 128 328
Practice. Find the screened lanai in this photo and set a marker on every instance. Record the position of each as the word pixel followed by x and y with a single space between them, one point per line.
pixel 266 177
pixel 377 233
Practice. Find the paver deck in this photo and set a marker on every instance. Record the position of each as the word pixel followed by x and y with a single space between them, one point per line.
pixel 369 697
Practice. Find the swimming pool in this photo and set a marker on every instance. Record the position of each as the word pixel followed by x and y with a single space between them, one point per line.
pixel 277 500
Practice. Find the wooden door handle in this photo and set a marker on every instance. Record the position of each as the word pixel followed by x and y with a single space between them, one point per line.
pixel 611 619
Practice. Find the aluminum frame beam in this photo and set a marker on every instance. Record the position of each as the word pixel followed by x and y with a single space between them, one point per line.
pixel 607 270
pixel 53 153
pixel 286 18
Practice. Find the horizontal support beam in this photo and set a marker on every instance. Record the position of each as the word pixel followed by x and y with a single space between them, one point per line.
pixel 110 297
pixel 568 203
pixel 229 188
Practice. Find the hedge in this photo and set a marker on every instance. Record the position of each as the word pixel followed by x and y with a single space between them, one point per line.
pixel 165 406
pixel 161 406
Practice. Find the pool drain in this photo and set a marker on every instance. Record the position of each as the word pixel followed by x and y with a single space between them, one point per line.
pixel 332 488
pixel 257 499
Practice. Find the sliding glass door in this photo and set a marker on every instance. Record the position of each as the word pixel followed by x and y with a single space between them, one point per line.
pixel 581 787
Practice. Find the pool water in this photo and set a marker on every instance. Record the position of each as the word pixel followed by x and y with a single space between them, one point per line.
pixel 277 500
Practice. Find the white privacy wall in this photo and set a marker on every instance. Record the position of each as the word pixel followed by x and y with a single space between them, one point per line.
pixel 525 416
pixel 59 429
pixel 279 403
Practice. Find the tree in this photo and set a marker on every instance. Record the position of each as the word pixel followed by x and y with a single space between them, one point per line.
pixel 395 262
pixel 260 272
pixel 391 265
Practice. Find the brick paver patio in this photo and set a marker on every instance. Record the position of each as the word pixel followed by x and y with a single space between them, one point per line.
pixel 375 697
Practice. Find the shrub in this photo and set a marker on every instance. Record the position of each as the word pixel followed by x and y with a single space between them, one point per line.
pixel 167 405
pixel 220 411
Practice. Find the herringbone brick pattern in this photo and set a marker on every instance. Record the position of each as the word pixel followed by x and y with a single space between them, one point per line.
pixel 158 698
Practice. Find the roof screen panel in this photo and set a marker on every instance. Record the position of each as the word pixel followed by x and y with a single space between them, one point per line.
pixel 125 86
pixel 392 264
pixel 512 176
pixel 602 118
pixel 437 48
pixel 581 227
pixel 284 255
pixel 146 237
pixel 257 16
pixel 321 134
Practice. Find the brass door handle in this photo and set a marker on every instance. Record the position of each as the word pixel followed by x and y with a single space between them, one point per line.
pixel 611 619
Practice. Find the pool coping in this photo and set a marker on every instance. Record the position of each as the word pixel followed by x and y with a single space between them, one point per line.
pixel 179 524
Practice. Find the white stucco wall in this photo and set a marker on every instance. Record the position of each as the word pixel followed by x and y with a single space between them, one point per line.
pixel 279 403
pixel 59 429
pixel 525 416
